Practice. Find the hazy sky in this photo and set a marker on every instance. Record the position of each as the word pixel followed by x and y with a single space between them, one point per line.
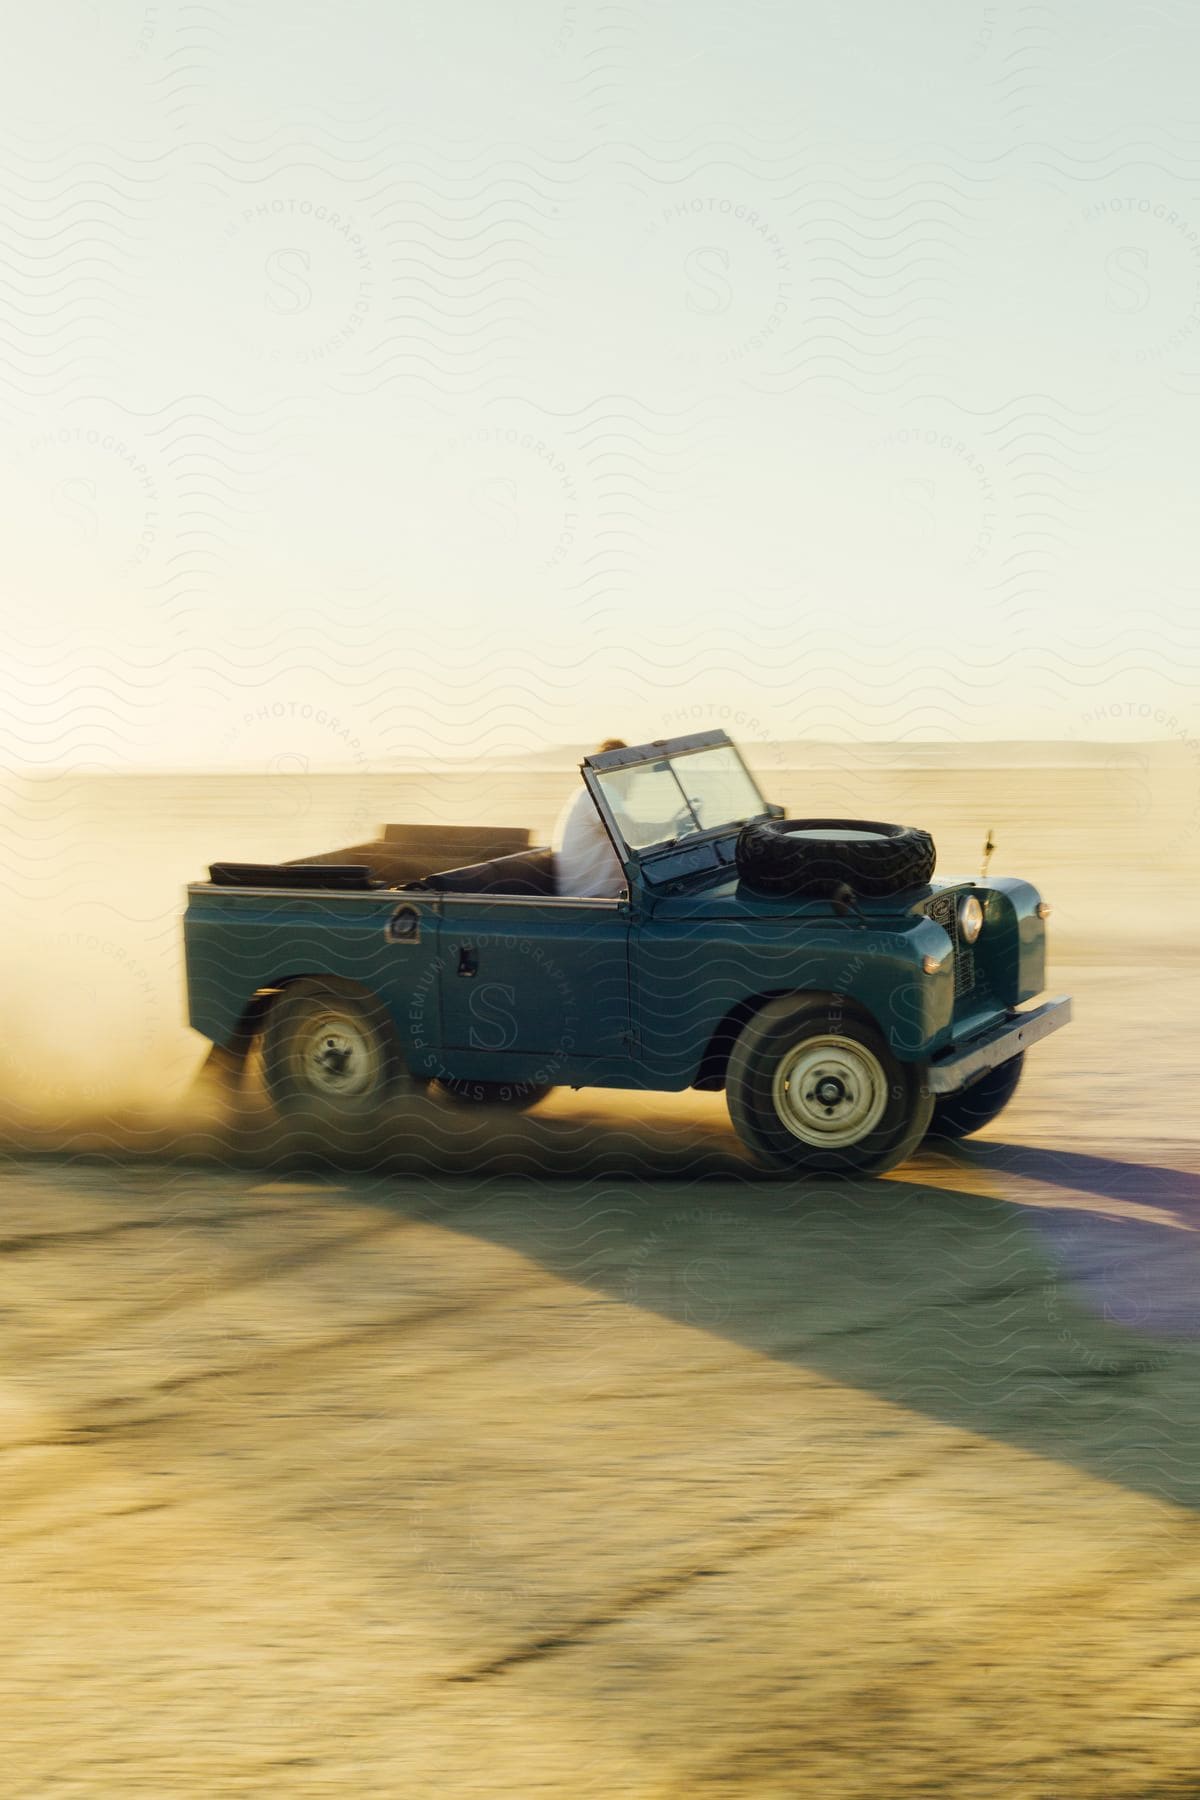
pixel 406 380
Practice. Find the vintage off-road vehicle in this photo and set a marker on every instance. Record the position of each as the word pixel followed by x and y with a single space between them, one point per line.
pixel 847 1003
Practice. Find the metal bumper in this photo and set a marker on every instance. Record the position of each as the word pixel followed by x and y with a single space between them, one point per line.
pixel 1004 1041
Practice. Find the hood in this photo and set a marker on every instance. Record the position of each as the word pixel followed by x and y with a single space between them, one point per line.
pixel 727 898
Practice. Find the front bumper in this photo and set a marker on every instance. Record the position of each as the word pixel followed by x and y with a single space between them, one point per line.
pixel 999 1044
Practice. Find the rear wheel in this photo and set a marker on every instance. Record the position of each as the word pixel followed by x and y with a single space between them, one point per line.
pixel 973 1107
pixel 330 1052
pixel 815 1089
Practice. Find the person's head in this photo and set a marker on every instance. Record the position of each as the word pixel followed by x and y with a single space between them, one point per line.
pixel 612 744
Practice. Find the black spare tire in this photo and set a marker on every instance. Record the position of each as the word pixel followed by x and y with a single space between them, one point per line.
pixel 815 857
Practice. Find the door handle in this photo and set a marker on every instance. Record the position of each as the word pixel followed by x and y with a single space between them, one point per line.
pixel 468 960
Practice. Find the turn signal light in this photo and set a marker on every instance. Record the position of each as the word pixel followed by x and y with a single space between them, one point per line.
pixel 1044 909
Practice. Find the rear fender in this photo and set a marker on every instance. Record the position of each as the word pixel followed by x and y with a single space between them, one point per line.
pixel 234 1047
pixel 241 948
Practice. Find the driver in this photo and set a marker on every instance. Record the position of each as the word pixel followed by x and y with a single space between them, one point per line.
pixel 584 859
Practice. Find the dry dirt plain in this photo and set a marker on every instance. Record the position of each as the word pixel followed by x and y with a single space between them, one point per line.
pixel 566 1456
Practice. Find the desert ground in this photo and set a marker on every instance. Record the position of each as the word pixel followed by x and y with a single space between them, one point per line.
pixel 568 1454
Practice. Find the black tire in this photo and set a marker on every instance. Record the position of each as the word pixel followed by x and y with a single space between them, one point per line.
pixel 513 1096
pixel 330 1053
pixel 814 857
pixel 886 1101
pixel 973 1107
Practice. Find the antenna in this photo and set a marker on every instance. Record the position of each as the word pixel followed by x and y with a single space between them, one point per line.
pixel 988 848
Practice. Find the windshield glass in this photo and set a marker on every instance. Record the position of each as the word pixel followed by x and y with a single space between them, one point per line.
pixel 697 790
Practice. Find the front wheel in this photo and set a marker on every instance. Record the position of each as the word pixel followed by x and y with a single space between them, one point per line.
pixel 973 1107
pixel 817 1090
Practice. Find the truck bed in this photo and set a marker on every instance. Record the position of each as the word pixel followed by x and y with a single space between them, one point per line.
pixel 410 852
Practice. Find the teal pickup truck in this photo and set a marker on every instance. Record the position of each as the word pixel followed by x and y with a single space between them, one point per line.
pixel 847 1003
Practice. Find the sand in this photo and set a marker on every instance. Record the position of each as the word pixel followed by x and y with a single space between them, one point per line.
pixel 567 1455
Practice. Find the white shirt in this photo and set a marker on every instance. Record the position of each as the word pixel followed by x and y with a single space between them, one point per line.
pixel 584 859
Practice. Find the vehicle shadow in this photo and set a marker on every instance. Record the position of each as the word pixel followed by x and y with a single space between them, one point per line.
pixel 1067 1330
pixel 1106 1176
pixel 1071 1335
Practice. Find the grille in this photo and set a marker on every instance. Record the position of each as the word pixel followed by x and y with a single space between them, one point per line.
pixel 943 910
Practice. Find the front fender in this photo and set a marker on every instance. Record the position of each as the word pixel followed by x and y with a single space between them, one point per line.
pixel 1014 941
pixel 688 978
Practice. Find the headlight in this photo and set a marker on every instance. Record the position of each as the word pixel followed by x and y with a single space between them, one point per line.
pixel 970 918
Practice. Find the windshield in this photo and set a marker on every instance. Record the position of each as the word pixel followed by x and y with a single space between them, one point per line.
pixel 696 790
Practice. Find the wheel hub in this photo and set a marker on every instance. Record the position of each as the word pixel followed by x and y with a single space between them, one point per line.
pixel 830 1091
pixel 334 1056
pixel 338 1058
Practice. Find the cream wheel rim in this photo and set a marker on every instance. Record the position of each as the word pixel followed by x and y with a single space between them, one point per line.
pixel 830 1091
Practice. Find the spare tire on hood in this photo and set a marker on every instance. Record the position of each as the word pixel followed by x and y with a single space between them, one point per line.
pixel 815 857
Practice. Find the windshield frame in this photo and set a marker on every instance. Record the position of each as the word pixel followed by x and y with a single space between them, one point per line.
pixel 663 750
